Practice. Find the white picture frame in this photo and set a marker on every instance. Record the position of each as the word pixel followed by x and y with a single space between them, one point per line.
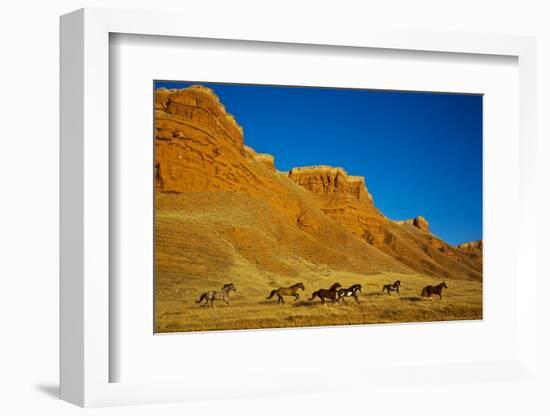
pixel 85 355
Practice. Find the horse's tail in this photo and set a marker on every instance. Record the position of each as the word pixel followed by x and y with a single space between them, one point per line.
pixel 313 295
pixel 424 292
pixel 272 294
pixel 201 298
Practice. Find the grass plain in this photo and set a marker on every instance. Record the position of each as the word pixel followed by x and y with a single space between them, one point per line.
pixel 248 307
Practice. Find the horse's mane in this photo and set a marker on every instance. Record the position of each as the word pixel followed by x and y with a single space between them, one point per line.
pixel 335 286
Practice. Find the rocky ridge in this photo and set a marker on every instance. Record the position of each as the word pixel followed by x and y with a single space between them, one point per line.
pixel 473 247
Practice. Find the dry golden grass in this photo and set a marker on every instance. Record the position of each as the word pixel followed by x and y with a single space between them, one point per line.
pixel 206 240
pixel 248 307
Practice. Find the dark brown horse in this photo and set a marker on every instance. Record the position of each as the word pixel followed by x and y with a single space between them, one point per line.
pixel 392 287
pixel 331 293
pixel 213 295
pixel 428 291
pixel 349 292
pixel 287 291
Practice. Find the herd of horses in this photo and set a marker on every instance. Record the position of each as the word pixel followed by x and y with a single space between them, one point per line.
pixel 335 293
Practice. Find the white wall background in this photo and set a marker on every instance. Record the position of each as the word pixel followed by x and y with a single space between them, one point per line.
pixel 29 207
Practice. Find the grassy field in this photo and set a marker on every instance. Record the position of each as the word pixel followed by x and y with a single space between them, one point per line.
pixel 177 310
pixel 207 240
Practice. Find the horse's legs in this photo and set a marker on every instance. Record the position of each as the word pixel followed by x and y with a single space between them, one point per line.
pixel 356 299
pixel 296 297
pixel 398 292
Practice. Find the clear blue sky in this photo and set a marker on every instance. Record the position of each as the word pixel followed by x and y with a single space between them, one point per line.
pixel 420 153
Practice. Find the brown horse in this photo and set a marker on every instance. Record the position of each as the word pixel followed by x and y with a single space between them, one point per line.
pixel 349 292
pixel 393 287
pixel 287 291
pixel 428 291
pixel 331 293
pixel 217 295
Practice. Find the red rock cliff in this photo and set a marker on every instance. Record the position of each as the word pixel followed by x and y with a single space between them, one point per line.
pixel 328 180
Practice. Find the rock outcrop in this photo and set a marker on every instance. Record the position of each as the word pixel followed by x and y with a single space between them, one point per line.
pixel 419 222
pixel 327 179
pixel 264 158
pixel 473 247
pixel 196 143
pixel 346 200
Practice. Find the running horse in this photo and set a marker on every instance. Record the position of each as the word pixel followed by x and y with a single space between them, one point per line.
pixel 349 292
pixel 213 295
pixel 287 291
pixel 331 293
pixel 428 291
pixel 392 287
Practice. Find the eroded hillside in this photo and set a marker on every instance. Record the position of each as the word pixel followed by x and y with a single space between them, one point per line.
pixel 223 210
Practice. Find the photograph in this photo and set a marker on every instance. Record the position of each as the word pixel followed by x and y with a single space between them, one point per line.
pixel 283 206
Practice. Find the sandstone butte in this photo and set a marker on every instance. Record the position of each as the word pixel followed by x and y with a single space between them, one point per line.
pixel 218 203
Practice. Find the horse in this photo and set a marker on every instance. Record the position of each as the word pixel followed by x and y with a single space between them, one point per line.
pixel 392 287
pixel 331 293
pixel 349 292
pixel 213 295
pixel 428 291
pixel 287 291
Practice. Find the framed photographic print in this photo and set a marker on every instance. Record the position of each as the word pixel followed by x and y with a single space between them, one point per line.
pixel 233 200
